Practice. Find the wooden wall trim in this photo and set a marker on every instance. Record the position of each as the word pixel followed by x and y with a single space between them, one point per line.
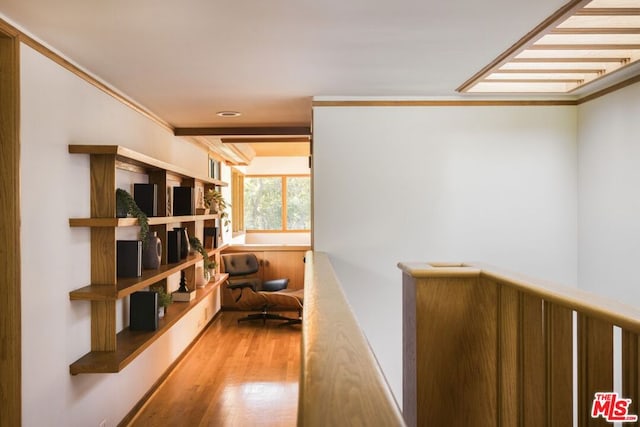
pixel 10 277
pixel 243 131
pixel 446 103
pixel 58 59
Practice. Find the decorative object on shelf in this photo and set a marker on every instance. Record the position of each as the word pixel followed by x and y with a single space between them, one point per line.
pixel 169 204
pixel 213 267
pixel 173 246
pixel 208 264
pixel 201 277
pixel 152 251
pixel 185 247
pixel 129 258
pixel 211 237
pixel 146 197
pixel 217 204
pixel 200 198
pixel 164 299
pixel 183 282
pixel 184 201
pixel 126 205
pixel 143 311
pixel 214 168
pixel 214 201
pixel 183 294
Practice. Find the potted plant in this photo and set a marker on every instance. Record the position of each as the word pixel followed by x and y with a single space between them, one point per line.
pixel 217 204
pixel 209 264
pixel 126 205
pixel 164 299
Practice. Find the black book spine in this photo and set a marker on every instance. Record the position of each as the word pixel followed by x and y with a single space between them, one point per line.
pixel 173 246
pixel 183 201
pixel 146 197
pixel 143 311
pixel 129 258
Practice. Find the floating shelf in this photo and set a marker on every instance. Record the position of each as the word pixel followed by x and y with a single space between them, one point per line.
pixel 130 222
pixel 129 285
pixel 126 157
pixel 131 343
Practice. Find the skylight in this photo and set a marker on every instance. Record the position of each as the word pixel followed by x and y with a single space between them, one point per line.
pixel 581 43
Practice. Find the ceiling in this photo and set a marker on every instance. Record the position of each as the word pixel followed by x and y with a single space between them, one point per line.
pixel 186 60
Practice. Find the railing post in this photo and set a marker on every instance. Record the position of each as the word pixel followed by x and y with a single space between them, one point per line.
pixel 451 347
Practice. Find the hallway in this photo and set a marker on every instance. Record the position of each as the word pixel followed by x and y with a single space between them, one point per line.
pixel 235 375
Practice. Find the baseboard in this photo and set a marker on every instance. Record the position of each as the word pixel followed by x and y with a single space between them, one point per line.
pixel 140 404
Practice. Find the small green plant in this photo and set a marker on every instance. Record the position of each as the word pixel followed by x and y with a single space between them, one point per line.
pixel 213 199
pixel 164 299
pixel 125 204
pixel 196 244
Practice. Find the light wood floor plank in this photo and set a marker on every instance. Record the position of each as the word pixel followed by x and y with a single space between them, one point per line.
pixel 236 375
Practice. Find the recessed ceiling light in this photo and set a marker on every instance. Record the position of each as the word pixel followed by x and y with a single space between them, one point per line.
pixel 228 114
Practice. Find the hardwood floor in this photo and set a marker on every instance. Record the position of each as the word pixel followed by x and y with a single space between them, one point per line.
pixel 236 375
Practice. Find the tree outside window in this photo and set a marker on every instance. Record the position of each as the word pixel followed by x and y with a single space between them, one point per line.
pixel 277 203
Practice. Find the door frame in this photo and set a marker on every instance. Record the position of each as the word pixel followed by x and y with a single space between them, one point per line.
pixel 10 276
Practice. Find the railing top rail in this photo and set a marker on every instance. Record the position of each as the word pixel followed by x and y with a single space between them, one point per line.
pixel 340 378
pixel 596 306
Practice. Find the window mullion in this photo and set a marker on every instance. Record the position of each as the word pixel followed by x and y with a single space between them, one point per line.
pixel 284 203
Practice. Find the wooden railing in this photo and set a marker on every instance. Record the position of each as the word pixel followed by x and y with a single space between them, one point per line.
pixel 485 348
pixel 340 383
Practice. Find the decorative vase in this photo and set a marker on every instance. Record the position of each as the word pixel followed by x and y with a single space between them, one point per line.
pixel 161 311
pixel 201 277
pixel 185 247
pixel 152 251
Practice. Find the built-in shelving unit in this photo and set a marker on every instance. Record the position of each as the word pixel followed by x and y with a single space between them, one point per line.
pixel 111 351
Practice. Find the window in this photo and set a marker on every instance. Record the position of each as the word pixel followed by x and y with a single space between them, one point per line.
pixel 277 203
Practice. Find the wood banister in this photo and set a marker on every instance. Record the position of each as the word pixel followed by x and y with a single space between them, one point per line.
pixel 485 347
pixel 341 382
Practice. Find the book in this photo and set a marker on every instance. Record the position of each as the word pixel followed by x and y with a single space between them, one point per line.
pixel 129 258
pixel 146 197
pixel 183 296
pixel 143 311
pixel 184 201
pixel 210 237
pixel 173 246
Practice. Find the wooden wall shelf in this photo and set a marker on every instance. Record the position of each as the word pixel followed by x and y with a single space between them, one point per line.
pixel 112 350
pixel 130 222
pixel 125 157
pixel 128 285
pixel 131 343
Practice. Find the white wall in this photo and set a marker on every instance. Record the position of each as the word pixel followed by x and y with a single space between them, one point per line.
pixel 609 203
pixel 490 184
pixel 58 109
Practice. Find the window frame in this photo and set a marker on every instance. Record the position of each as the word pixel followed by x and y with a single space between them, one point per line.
pixel 283 190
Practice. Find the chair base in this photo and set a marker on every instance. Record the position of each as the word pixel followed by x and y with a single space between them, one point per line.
pixel 264 316
pixel 290 321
